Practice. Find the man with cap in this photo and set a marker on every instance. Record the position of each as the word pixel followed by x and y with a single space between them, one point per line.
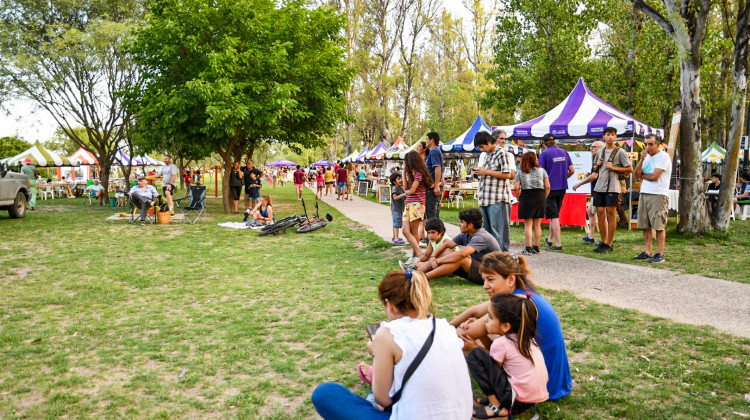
pixel 29 169
pixel 559 167
pixel 168 178
pixel 143 195
pixel 96 190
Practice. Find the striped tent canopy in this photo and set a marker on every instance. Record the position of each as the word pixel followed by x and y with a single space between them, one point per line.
pixel 281 162
pixel 41 157
pixel 146 161
pixel 465 142
pixel 713 154
pixel 323 162
pixel 121 158
pixel 377 153
pixel 361 156
pixel 516 150
pixel 83 157
pixel 400 155
pixel 350 157
pixel 581 115
pixel 397 147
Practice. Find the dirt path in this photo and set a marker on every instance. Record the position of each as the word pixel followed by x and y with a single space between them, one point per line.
pixel 683 298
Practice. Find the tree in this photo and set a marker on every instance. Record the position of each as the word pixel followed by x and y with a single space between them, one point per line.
pixel 66 57
pixel 686 24
pixel 12 145
pixel 232 74
pixel 61 142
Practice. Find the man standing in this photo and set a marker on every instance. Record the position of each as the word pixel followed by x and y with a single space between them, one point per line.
pixel 435 165
pixel 168 178
pixel 247 170
pixel 29 170
pixel 299 181
pixel 494 189
pixel 591 177
pixel 611 161
pixel 654 170
pixel 559 167
pixel 500 138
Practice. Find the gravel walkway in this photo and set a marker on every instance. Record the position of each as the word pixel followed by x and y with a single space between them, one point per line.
pixel 683 298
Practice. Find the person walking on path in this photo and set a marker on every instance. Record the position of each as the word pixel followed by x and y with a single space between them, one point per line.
pixel 494 189
pixel 531 188
pixel 340 183
pixel 435 164
pixel 168 180
pixel 29 169
pixel 654 170
pixel 299 181
pixel 611 163
pixel 591 177
pixel 559 167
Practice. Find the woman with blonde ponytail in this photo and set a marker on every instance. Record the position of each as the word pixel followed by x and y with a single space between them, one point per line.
pixel 505 273
pixel 438 388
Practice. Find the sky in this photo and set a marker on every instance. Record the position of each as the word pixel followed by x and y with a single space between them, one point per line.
pixel 32 124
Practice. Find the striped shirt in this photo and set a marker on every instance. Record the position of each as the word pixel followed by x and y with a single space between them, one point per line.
pixel 494 190
pixel 419 196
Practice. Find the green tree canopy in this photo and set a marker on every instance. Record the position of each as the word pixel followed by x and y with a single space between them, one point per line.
pixel 231 74
pixel 12 145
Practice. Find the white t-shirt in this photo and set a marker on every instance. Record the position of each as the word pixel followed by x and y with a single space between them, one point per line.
pixel 661 161
pixel 440 388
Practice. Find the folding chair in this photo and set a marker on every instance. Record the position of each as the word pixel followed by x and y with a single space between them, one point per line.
pixel 196 200
pixel 135 212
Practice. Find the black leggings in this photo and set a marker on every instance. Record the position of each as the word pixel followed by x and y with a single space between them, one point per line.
pixel 493 380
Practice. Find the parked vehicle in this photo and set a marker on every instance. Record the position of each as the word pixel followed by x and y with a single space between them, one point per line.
pixel 15 192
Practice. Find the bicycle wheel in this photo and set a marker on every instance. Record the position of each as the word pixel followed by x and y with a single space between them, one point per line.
pixel 285 221
pixel 277 227
pixel 312 226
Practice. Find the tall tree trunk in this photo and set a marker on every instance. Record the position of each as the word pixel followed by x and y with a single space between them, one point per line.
pixel 739 96
pixel 692 211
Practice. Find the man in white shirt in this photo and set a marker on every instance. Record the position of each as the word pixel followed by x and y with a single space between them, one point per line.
pixel 654 170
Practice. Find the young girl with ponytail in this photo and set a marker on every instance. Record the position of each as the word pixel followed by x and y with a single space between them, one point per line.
pixel 439 386
pixel 514 364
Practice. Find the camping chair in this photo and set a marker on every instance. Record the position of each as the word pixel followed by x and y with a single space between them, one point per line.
pixel 196 200
pixel 135 212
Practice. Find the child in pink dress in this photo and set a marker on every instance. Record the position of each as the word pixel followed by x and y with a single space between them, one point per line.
pixel 515 364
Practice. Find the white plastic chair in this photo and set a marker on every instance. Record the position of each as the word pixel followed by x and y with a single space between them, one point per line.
pixel 45 191
pixel 457 198
pixel 744 211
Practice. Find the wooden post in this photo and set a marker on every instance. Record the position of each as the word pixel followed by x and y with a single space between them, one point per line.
pixel 216 181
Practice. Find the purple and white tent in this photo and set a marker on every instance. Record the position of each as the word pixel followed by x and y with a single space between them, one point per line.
pixel 323 162
pixel 581 115
pixel 465 142
pixel 377 153
pixel 281 162
pixel 361 156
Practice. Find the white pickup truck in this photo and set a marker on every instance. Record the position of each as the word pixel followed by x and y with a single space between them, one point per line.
pixel 15 192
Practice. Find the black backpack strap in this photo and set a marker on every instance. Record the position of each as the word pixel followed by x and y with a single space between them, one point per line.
pixel 414 365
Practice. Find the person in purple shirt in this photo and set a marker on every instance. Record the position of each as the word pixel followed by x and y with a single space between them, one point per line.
pixel 559 167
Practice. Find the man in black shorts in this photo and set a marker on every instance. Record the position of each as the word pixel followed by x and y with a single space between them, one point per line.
pixel 476 243
pixel 559 167
pixel 610 162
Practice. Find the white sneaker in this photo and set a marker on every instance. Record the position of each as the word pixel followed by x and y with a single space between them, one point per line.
pixel 411 261
pixel 402 266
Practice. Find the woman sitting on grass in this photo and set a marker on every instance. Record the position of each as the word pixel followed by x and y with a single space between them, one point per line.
pixel 504 273
pixel 439 388
pixel 263 211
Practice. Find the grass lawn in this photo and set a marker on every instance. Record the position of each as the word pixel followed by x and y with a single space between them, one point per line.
pixel 101 319
pixel 717 255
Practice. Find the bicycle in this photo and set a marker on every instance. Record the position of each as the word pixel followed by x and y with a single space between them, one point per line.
pixel 312 224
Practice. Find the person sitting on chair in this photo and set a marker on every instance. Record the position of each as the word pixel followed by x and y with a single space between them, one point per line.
pixel 96 190
pixel 143 196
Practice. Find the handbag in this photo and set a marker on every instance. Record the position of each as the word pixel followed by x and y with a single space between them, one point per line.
pixel 413 366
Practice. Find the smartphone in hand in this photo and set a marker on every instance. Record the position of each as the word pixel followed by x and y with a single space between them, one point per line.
pixel 371 329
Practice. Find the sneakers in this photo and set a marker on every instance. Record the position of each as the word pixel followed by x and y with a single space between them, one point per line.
pixel 657 258
pixel 642 256
pixel 398 241
pixel 535 249
pixel 555 248
pixel 143 223
pixel 603 249
pixel 587 239
pixel 247 214
pixel 548 242
pixel 402 266
pixel 528 251
pixel 411 261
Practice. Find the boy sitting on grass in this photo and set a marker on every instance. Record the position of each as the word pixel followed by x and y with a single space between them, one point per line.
pixel 436 236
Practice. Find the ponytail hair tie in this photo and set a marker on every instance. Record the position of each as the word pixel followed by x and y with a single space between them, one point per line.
pixel 528 295
pixel 407 273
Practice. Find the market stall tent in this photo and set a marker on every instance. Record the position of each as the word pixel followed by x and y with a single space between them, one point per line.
pixel 465 142
pixel 579 116
pixel 400 154
pixel 281 162
pixel 323 162
pixel 40 156
pixel 377 153
pixel 397 147
pixel 713 154
pixel 84 158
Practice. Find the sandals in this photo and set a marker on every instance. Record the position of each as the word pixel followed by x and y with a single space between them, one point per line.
pixel 362 374
pixel 482 414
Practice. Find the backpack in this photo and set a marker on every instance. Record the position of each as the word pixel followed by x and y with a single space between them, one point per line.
pixel 620 176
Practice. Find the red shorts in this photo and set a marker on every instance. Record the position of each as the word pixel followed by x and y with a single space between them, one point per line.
pixel 299 186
